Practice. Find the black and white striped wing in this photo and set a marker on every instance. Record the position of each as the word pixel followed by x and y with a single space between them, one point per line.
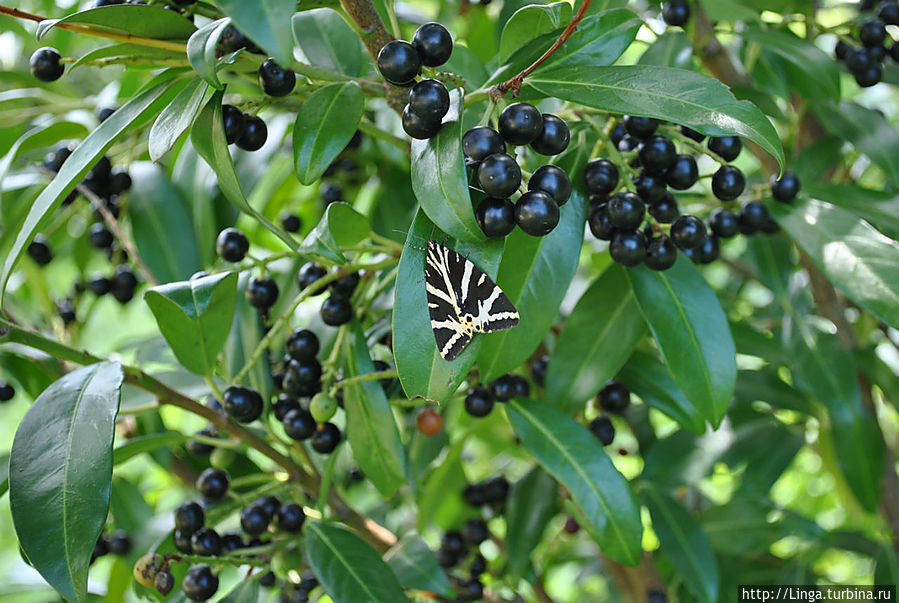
pixel 462 301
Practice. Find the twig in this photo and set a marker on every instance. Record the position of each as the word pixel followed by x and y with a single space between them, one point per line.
pixel 514 84
pixel 387 374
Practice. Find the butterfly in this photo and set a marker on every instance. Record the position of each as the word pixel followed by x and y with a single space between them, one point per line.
pixel 462 301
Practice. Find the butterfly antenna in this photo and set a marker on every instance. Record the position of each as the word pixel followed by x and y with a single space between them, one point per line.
pixel 410 235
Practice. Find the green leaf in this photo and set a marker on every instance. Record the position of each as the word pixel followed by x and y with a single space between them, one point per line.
pixel 529 22
pixel 532 503
pixel 867 130
pixel 684 97
pixel 202 50
pixel 147 443
pixel 729 10
pixel 651 380
pixel 820 73
pixel 325 124
pixel 440 495
pixel 161 224
pixel 137 20
pixel 348 568
pixel 134 55
pixel 535 273
pixel 599 336
pixel 371 428
pixel 440 181
pixel 128 507
pixel 684 543
pixel 763 447
pixel 851 253
pixel 575 457
pixel 132 114
pixel 246 591
pixel 61 463
pixel 341 226
pixel 422 371
pixel 327 41
pixel 266 22
pixel 195 317
pixel 766 386
pixel 687 321
pixel 672 49
pixel 208 138
pixel 880 207
pixel 415 566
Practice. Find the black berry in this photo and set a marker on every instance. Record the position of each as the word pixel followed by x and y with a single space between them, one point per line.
pixel 889 12
pixel 709 251
pixel 872 33
pixel 283 405
pixel 232 245
pixel 683 173
pixel 182 541
pixel 614 397
pixel 123 283
pixel 303 345
pixel 785 188
pixel 870 76
pixel 520 123
pixel 650 187
pixel 603 429
pixel 538 370
pixel 326 438
pixel 728 183
pixel 291 222
pixel 499 175
pixel 601 176
pixel 665 210
pixel 536 213
pixel 480 142
pixel 399 63
pixel 308 274
pixel 291 517
pixel 676 12
pixel 234 123
pixel 419 127
pixel 724 223
pixel 657 154
pixel 640 127
pixel 688 232
pixel 262 292
pixel 213 483
pixel 600 224
pixel 242 403
pixel 496 217
pixel 44 64
pixel 189 517
pixel 7 391
pixel 206 542
pixel 39 250
pixel 433 43
pixel 164 582
pixel 254 519
pixel 478 402
pixel 200 583
pixel 628 248
pixel 299 424
pixel 661 253
pixel 429 100
pixel 692 134
pixel 336 311
pixel 119 543
pixel 755 214
pixel 254 134
pixel 276 80
pixel 726 147
pixel 626 211
pixel 553 181
pixel 554 136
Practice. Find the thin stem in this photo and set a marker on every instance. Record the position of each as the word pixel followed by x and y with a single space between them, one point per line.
pixel 376 132
pixel 514 84
pixel 387 374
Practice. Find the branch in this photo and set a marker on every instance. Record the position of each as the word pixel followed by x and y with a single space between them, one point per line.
pixel 514 84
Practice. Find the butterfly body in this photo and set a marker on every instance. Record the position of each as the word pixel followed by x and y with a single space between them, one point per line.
pixel 462 301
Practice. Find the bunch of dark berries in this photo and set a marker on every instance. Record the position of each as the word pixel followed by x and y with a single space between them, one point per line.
pixel 619 215
pixel 336 310
pixel 458 546
pixel 118 543
pixel 401 62
pixel 479 400
pixel 247 131
pixel 865 61
pixel 343 170
pixel 498 175
pixel 614 398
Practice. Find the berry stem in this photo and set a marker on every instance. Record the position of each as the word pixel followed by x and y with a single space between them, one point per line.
pixel 514 84
pixel 221 560
pixel 388 374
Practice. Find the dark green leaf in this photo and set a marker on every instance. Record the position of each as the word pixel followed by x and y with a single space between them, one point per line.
pixel 532 503
pixel 128 507
pixel 137 20
pixel 130 115
pixel 853 255
pixel 202 50
pixel 246 591
pixel 194 317
pixel 327 41
pixel 529 22
pixel 535 273
pixel 439 179
pixel 766 386
pixel 729 10
pixel 867 130
pixel 741 527
pixel 341 226
pixel 765 447
pixel 651 380
pixel 672 49
pixel 147 443
pixel 416 567
pixel 325 124
pixel 348 568
pixel 575 457
pixel 684 544
pixel 597 340
pixel 371 428
pixel 61 463
pixel 161 224
pixel 267 23
pixel 880 207
pixel 681 96
pixel 689 325
pixel 820 73
pixel 208 137
pixel 422 371
pixel 133 55
pixel 682 459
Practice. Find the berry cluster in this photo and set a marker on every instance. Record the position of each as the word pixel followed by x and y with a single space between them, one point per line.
pixel 614 398
pixel 401 62
pixel 498 175
pixel 118 543
pixel 479 400
pixel 247 131
pixel 454 550
pixel 617 215
pixel 865 62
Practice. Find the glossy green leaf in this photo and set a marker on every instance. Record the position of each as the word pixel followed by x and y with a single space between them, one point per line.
pixel 532 503
pixel 348 568
pixel 416 567
pixel 851 253
pixel 194 317
pixel 529 22
pixel 867 130
pixel 137 20
pixel 685 97
pixel 766 386
pixel 128 506
pixel 684 544
pixel 147 443
pixel 535 273
pixel 130 115
pixel 266 22
pixel 161 224
pixel 820 73
pixel 133 55
pixel 880 207
pixel 371 428
pixel 208 138
pixel 651 380
pixel 575 457
pixel 202 51
pixel 599 336
pixel 689 325
pixel 61 463
pixel 422 371
pixel 246 591
pixel 325 124
pixel 327 41
pixel 440 181
pixel 341 226
pixel 672 49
